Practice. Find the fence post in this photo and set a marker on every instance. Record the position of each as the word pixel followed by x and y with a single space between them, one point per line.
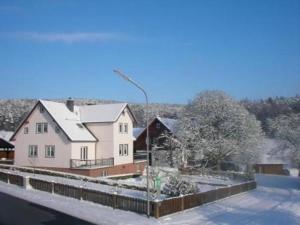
pixel 182 202
pixel 156 204
pixel 81 193
pixel 52 186
pixel 26 183
pixel 114 199
pixel 8 177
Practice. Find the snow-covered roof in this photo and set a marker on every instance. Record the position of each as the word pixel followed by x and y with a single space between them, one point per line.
pixel 137 131
pixel 6 135
pixel 68 121
pixel 101 113
pixel 168 122
pixel 72 123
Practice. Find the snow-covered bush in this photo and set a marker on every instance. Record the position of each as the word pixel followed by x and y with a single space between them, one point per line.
pixel 177 186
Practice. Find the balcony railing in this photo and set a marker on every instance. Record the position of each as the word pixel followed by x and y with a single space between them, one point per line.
pixel 91 163
pixel 140 155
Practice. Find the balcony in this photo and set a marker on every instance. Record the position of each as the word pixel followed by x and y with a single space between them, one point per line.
pixel 140 155
pixel 91 163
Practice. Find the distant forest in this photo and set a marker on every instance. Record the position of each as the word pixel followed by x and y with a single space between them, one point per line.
pixel 14 110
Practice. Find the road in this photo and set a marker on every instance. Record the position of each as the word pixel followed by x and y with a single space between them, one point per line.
pixel 14 211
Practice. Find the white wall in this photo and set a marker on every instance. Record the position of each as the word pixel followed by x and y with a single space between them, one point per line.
pixel 75 154
pixel 104 133
pixel 123 138
pixel 109 139
pixel 61 142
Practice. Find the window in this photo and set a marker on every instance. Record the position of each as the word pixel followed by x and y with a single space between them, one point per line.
pixel 83 152
pixel 41 128
pixel 157 125
pixel 120 149
pixel 26 130
pixel 125 149
pixel 120 127
pixel 126 128
pixel 33 151
pixel 41 109
pixel 49 151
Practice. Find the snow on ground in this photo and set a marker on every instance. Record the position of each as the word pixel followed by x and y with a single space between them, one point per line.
pixel 89 185
pixel 276 201
pixel 204 182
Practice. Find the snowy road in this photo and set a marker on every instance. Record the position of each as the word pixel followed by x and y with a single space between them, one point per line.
pixel 276 201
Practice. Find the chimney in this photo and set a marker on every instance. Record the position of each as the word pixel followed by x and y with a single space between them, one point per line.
pixel 70 104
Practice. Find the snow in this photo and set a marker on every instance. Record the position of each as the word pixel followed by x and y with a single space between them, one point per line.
pixel 101 113
pixel 89 185
pixel 276 201
pixel 68 121
pixel 168 122
pixel 273 151
pixel 6 135
pixel 137 131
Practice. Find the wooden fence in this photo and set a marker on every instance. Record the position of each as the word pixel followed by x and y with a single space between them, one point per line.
pixel 11 178
pixel 157 208
pixel 181 203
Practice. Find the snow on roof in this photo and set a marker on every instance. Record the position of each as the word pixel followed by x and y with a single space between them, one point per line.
pixel 68 121
pixel 137 131
pixel 168 122
pixel 6 135
pixel 101 113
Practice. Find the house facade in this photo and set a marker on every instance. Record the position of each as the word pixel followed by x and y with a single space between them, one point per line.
pixel 92 140
pixel 156 127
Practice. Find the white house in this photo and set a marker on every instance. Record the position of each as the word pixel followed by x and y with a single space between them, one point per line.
pixel 93 140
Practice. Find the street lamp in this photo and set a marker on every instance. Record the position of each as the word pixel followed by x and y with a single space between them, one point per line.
pixel 125 77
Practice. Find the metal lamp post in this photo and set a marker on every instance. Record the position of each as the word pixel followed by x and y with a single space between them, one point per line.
pixel 125 77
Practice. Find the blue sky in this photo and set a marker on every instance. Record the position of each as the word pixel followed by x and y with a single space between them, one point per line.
pixel 57 49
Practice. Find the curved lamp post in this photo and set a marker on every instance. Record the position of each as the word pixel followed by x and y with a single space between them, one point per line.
pixel 125 77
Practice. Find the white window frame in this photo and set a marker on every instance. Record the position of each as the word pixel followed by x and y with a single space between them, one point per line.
pixel 121 128
pixel 121 150
pixel 84 152
pixel 125 149
pixel 43 128
pixel 32 151
pixel 126 128
pixel 49 151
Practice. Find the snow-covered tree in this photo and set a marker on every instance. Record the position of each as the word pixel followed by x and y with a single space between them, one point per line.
pixel 213 127
pixel 287 128
pixel 166 147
